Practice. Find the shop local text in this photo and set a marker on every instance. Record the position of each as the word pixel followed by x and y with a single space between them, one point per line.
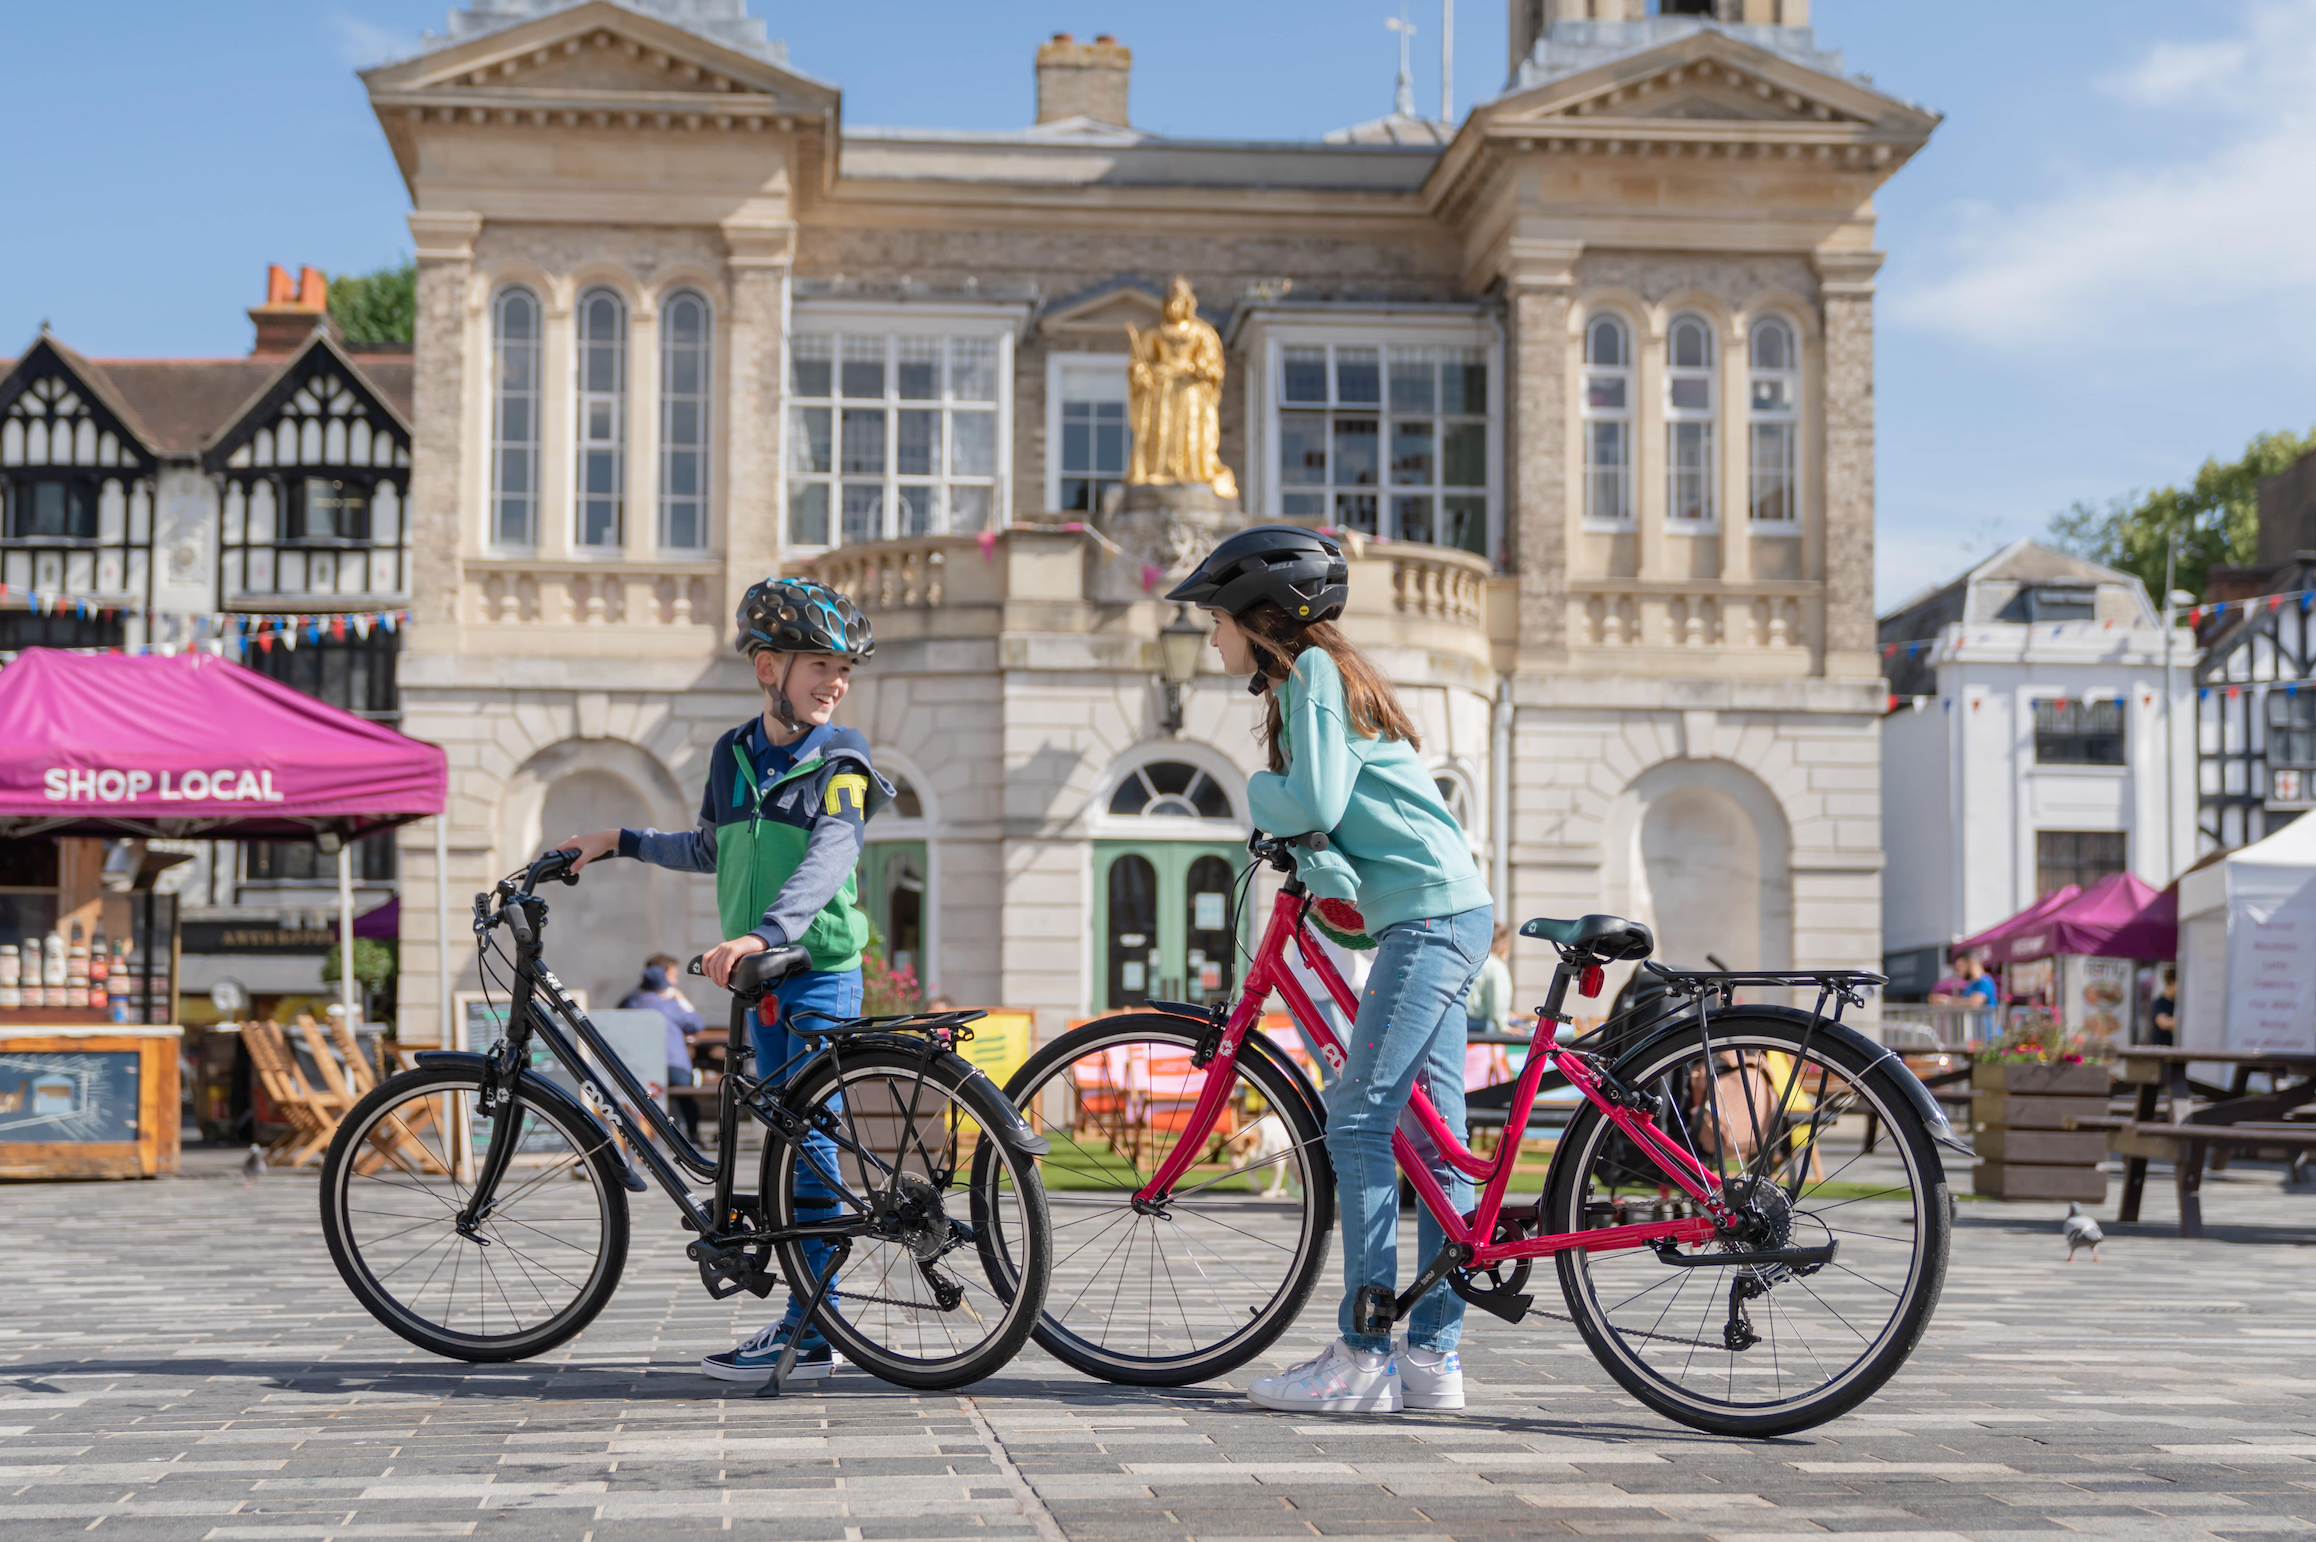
pixel 115 786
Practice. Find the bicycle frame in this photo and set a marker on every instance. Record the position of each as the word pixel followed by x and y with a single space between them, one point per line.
pixel 1473 1239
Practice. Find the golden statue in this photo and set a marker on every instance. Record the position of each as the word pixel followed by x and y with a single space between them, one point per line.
pixel 1174 394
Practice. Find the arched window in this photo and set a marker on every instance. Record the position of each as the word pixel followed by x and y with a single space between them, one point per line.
pixel 1170 787
pixel 602 402
pixel 1689 422
pixel 1608 398
pixel 515 418
pixel 1776 432
pixel 684 389
pixel 905 803
pixel 1457 797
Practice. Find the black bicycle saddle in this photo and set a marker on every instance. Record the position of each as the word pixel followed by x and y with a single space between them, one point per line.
pixel 757 973
pixel 1608 938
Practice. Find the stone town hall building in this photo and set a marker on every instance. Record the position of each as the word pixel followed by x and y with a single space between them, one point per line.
pixel 1589 374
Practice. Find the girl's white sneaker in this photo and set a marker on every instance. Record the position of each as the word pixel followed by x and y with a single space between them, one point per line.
pixel 1340 1380
pixel 1429 1378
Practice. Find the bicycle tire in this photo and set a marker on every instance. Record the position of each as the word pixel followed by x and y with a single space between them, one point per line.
pixel 1094 1202
pixel 886 1290
pixel 363 1221
pixel 1903 1258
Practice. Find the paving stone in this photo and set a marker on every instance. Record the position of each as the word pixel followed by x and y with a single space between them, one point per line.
pixel 224 1387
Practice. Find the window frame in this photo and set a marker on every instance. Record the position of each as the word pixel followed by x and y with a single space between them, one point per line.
pixel 841 320
pixel 616 398
pixel 1706 419
pixel 535 444
pixel 1352 330
pixel 1789 417
pixel 1628 375
pixel 1058 367
pixel 2046 708
pixel 703 443
pixel 2075 871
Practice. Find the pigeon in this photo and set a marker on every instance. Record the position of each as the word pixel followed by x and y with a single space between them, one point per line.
pixel 253 1165
pixel 2081 1232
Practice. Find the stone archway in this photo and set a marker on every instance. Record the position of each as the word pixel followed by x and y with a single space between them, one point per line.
pixel 620 912
pixel 1701 851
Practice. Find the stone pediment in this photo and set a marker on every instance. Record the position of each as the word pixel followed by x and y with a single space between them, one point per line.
pixel 1107 309
pixel 592 53
pixel 1705 78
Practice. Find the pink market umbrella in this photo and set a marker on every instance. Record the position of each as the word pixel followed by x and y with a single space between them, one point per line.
pixel 196 746
pixel 2057 899
pixel 2120 916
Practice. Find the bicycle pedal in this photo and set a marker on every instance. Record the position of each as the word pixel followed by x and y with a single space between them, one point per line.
pixel 1374 1310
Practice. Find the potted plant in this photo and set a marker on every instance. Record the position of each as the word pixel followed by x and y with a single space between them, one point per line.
pixel 2027 1091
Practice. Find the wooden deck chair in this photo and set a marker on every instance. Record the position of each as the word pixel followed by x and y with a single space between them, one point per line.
pixel 312 1116
pixel 337 1080
pixel 350 1051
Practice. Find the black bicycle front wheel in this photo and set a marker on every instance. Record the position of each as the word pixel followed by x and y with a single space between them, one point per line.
pixel 1780 1114
pixel 907 1167
pixel 1207 1279
pixel 536 1268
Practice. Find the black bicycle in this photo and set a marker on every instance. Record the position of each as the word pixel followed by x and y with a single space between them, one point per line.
pixel 477 1205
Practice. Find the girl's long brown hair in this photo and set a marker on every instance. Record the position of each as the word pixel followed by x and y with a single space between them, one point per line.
pixel 1278 640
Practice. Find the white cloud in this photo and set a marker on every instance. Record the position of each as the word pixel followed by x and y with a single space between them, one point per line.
pixel 362 44
pixel 2102 261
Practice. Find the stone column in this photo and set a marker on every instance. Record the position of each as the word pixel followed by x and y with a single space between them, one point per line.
pixel 1540 280
pixel 445 255
pixel 1846 286
pixel 749 432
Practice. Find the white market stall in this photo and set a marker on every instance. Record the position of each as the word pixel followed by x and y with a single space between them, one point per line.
pixel 2247 947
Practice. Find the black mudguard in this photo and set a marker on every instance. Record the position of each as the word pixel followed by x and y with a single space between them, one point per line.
pixel 1684 1027
pixel 1016 1133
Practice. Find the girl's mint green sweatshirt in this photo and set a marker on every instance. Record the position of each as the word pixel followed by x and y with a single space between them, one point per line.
pixel 1395 850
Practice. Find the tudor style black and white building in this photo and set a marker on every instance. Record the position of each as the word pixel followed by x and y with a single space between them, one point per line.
pixel 174 502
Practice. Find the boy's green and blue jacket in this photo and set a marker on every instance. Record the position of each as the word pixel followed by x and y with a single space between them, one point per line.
pixel 781 828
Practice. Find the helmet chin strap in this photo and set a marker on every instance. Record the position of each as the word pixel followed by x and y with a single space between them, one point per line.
pixel 781 707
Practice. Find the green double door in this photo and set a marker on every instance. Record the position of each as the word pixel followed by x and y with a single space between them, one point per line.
pixel 1161 921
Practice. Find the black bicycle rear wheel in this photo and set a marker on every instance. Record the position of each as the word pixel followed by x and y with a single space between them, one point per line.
pixel 531 1274
pixel 1768 1349
pixel 913 1303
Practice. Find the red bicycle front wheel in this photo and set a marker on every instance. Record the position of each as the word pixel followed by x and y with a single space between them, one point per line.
pixel 1199 1284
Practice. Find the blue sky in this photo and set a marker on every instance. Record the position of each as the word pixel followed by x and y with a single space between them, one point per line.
pixel 2101 271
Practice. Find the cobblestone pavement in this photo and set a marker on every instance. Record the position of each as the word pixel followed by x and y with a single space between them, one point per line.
pixel 178 1360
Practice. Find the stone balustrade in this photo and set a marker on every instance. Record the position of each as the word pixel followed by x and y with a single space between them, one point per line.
pixel 1436 583
pixel 589 594
pixel 908 574
pixel 1771 617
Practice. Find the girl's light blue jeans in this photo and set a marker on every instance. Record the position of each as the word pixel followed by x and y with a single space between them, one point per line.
pixel 1410 1029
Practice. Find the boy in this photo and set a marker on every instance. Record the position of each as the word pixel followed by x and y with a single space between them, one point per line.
pixel 788 796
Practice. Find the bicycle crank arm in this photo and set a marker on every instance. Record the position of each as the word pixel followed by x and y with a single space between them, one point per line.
pixel 1796 1258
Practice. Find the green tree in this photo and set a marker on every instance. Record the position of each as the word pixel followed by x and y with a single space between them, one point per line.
pixel 2215 518
pixel 380 307
pixel 374 962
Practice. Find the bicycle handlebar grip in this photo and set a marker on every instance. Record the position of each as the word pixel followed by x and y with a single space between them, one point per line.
pixel 759 972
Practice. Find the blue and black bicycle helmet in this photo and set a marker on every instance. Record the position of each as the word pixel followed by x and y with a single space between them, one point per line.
pixel 796 615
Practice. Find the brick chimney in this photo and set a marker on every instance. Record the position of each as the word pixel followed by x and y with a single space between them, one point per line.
pixel 289 315
pixel 1077 79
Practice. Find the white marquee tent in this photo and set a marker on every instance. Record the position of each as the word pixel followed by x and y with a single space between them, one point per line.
pixel 2247 946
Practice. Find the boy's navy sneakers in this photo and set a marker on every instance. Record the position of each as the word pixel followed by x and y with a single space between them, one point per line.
pixel 758 1356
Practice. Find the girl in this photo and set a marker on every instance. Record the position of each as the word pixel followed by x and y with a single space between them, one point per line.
pixel 1343 762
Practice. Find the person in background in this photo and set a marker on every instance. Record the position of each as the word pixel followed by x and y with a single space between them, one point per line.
pixel 657 992
pixel 2163 1011
pixel 1977 993
pixel 1488 1005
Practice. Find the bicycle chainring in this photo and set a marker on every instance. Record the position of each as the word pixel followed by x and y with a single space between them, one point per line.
pixel 1500 1284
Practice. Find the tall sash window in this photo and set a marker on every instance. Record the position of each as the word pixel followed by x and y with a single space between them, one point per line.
pixel 515 418
pixel 602 419
pixel 684 387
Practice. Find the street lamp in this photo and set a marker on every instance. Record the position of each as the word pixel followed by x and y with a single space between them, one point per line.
pixel 1178 645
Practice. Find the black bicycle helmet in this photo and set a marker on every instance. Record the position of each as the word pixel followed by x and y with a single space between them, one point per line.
pixel 1299 570
pixel 796 615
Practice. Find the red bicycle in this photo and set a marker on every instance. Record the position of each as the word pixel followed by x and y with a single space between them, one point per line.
pixel 1727 1245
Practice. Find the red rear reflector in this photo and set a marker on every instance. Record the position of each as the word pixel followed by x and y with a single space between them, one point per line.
pixel 1590 984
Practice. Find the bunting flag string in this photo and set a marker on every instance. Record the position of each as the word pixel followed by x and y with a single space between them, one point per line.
pixel 226 633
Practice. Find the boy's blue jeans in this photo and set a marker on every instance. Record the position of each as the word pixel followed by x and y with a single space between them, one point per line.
pixel 837 993
pixel 1410 1028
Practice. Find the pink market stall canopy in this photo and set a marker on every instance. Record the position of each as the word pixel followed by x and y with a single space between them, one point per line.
pixel 2120 916
pixel 196 746
pixel 2057 899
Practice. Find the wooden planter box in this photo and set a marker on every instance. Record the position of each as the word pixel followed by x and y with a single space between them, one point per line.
pixel 2018 1119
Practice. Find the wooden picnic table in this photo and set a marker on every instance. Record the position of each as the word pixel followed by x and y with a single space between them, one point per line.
pixel 2165 1124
